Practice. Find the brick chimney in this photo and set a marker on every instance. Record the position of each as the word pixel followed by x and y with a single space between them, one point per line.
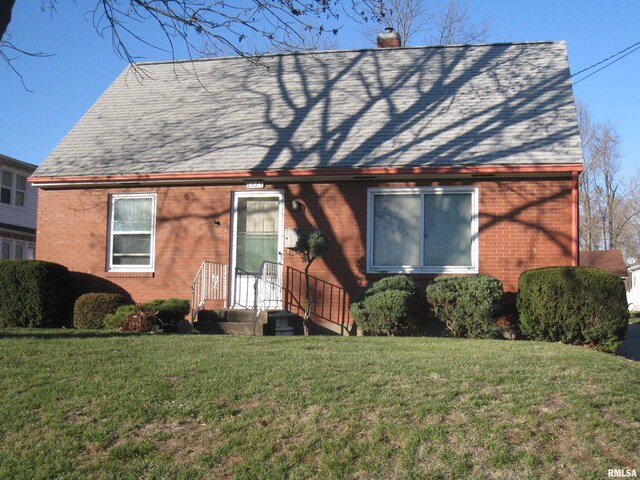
pixel 388 39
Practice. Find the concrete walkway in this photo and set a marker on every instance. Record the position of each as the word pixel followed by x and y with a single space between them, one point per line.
pixel 631 345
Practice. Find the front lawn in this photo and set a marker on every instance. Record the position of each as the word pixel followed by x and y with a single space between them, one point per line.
pixel 99 405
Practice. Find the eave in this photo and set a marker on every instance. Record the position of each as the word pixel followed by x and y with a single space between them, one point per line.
pixel 307 175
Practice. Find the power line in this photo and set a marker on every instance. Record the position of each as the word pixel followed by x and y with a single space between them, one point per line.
pixel 637 45
pixel 606 59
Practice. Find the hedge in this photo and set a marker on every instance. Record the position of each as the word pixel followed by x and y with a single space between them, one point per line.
pixel 34 294
pixel 579 305
pixel 91 309
pixel 467 305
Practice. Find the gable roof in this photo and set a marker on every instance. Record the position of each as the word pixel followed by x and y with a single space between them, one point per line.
pixel 609 260
pixel 480 105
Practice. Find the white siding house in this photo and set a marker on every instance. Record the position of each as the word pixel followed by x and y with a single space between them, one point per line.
pixel 18 207
pixel 633 295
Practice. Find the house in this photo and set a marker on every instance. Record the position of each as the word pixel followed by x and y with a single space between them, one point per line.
pixel 612 261
pixel 633 293
pixel 18 208
pixel 609 260
pixel 422 160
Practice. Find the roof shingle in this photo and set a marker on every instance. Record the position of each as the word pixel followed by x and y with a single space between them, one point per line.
pixel 500 104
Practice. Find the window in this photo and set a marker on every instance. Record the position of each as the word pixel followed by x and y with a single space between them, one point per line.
pixel 6 250
pixel 18 252
pixel 422 230
pixel 132 232
pixel 21 189
pixel 6 184
pixel 15 249
pixel 10 192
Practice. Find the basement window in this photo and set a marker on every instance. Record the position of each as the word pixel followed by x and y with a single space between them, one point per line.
pixel 422 230
pixel 132 232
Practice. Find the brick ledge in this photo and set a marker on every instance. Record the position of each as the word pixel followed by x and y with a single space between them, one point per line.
pixel 130 274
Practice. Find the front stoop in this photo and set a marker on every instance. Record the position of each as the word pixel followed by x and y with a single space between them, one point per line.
pixel 236 322
pixel 230 322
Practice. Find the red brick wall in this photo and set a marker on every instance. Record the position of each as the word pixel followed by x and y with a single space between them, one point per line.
pixel 524 223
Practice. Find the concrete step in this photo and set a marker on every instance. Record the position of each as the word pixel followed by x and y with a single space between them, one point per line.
pixel 230 315
pixel 229 328
pixel 230 322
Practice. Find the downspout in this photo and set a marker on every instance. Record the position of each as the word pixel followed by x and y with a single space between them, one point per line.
pixel 575 220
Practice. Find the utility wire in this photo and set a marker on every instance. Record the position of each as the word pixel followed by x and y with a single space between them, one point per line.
pixel 637 44
pixel 608 64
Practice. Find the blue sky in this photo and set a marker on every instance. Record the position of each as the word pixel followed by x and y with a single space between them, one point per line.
pixel 83 65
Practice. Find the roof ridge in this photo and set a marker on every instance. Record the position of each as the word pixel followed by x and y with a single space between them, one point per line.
pixel 351 50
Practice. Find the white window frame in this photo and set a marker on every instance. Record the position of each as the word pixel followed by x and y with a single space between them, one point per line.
pixel 13 189
pixel 422 191
pixel 152 254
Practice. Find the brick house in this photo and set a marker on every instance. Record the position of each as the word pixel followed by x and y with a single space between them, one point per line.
pixel 18 207
pixel 423 160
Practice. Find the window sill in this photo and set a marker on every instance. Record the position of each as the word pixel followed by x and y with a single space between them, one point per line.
pixel 122 274
pixel 423 271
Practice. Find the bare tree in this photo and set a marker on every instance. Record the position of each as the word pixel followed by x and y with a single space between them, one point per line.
pixel 407 17
pixel 454 25
pixel 609 203
pixel 205 27
pixel 590 233
pixel 415 20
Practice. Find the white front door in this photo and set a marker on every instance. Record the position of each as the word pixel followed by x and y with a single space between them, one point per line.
pixel 257 236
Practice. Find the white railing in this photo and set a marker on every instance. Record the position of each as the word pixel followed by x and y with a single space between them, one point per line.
pixel 210 283
pixel 267 290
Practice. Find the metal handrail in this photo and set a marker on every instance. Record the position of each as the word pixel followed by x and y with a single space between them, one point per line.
pixel 267 289
pixel 210 283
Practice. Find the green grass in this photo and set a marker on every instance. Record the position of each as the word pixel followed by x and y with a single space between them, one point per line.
pixel 99 405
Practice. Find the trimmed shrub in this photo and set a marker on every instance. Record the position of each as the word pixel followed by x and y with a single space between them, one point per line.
pixel 143 319
pixel 115 320
pixel 468 306
pixel 34 294
pixel 389 306
pixel 91 309
pixel 397 282
pixel 578 305
pixel 387 312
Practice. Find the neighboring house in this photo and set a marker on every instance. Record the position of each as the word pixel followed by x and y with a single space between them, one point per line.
pixel 609 260
pixel 18 208
pixel 423 161
pixel 612 261
pixel 633 294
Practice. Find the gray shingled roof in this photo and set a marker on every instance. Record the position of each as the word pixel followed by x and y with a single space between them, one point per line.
pixel 500 104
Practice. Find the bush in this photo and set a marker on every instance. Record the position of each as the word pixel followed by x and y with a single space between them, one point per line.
pixel 387 312
pixel 170 311
pixel 389 306
pixel 397 282
pixel 34 294
pixel 468 306
pixel 578 305
pixel 115 320
pixel 143 319
pixel 91 309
